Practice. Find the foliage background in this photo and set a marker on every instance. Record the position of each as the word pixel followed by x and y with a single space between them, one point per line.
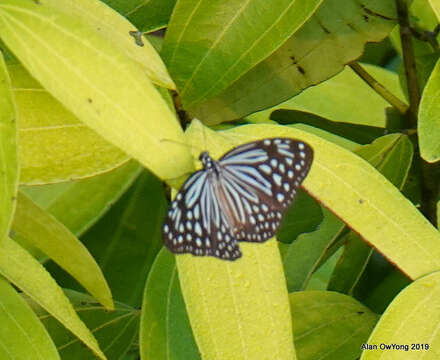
pixel 96 130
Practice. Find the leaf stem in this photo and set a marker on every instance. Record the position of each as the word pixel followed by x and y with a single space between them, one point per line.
pixel 430 190
pixel 379 88
pixel 429 172
pixel 409 60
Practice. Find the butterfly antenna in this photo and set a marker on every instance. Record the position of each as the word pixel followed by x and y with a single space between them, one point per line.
pixel 182 143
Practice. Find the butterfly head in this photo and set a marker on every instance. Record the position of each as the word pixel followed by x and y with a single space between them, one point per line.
pixel 207 161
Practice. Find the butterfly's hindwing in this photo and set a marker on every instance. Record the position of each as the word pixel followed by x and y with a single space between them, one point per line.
pixel 195 223
pixel 241 197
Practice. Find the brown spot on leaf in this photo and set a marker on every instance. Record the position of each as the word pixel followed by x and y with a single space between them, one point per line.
pixel 301 69
pixel 376 14
pixel 327 31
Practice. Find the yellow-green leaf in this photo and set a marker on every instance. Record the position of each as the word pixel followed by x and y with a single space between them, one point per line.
pixel 22 336
pixel 357 103
pixel 359 195
pixel 115 330
pixel 328 325
pixel 8 152
pixel 164 327
pixel 45 232
pixel 436 7
pixel 54 145
pixel 66 200
pixel 237 310
pixel 29 275
pixel 95 80
pixel 410 324
pixel 332 37
pixel 228 37
pixel 114 27
pixel 429 118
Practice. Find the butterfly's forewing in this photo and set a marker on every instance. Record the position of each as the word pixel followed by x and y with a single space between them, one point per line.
pixel 260 181
pixel 242 197
pixel 195 222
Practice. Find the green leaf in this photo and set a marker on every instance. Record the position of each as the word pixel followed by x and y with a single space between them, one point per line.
pixel 29 275
pixel 382 295
pixel 116 331
pixel 54 145
pixel 295 223
pixel 367 202
pixel 132 229
pixel 334 36
pixel 392 155
pixel 429 118
pixel 43 231
pixel 338 140
pixel 321 277
pixel 233 306
pixel 22 336
pixel 304 255
pixel 223 300
pixel 361 134
pixel 152 14
pixel 180 335
pixel 351 265
pixel 165 332
pixel 8 149
pixel 228 37
pixel 357 102
pixel 328 325
pixel 66 200
pixel 412 318
pixel 124 108
pixel 114 27
pixel 436 7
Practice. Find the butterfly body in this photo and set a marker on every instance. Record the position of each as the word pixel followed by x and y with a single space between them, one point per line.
pixel 240 197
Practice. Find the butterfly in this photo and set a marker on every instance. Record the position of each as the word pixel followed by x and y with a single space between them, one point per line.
pixel 240 197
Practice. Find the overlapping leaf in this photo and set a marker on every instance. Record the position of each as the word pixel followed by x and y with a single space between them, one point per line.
pixel 151 15
pixel 44 232
pixel 356 102
pixel 22 336
pixel 123 108
pixel 412 318
pixel 429 118
pixel 372 206
pixel 114 27
pixel 294 224
pixel 67 201
pixel 436 7
pixel 29 275
pixel 334 36
pixel 116 331
pixel 165 330
pixel 54 145
pixel 132 229
pixel 392 156
pixel 229 37
pixel 233 306
pixel 8 151
pixel 328 325
pixel 303 256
